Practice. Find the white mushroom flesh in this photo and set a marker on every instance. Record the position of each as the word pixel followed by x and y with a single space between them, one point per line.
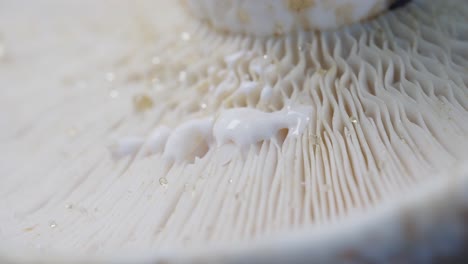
pixel 385 104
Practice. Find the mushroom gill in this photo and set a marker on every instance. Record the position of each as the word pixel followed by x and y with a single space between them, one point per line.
pixel 132 131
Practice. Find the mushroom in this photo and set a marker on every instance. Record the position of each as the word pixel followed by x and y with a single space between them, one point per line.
pixel 157 131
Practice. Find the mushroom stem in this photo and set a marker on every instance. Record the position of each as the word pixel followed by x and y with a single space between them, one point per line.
pixel 276 17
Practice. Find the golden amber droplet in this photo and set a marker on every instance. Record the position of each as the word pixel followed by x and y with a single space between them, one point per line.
pixel 142 102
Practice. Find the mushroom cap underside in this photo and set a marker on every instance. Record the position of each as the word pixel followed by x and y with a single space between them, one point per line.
pixel 384 143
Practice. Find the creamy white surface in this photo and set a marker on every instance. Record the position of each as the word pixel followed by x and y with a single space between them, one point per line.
pixel 388 115
pixel 241 126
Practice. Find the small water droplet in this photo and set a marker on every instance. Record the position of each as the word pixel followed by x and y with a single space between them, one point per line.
pixel 231 181
pixel 156 85
pixel 353 120
pixel 304 46
pixel 142 102
pixel 114 94
pixel 402 139
pixel 29 229
pixel 163 182
pixel 155 81
pixel 348 133
pixel 322 72
pixel 72 131
pixel 315 139
pixel 156 60
pixel 110 76
pixel 52 224
pixel 203 106
pixel 185 36
pixel 69 206
pixel 182 76
pixel 265 56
